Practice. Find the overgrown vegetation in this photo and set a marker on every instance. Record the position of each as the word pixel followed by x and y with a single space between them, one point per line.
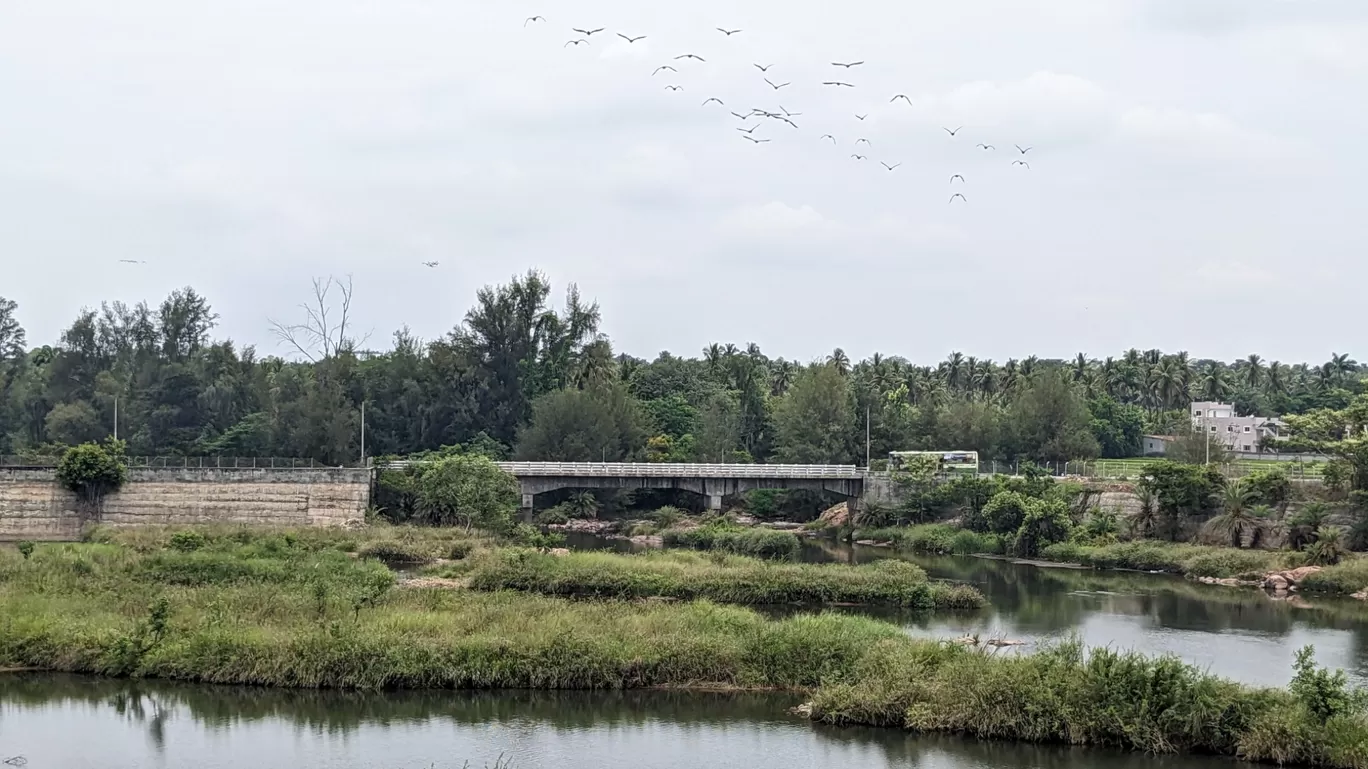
pixel 1103 697
pixel 725 579
pixel 720 534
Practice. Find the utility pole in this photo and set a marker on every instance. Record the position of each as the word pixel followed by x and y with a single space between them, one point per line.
pixel 867 436
pixel 116 417
pixel 363 433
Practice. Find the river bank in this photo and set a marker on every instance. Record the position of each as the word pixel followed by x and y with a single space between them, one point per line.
pixel 1220 565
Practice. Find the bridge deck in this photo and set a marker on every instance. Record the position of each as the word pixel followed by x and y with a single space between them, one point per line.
pixel 672 470
pixel 677 470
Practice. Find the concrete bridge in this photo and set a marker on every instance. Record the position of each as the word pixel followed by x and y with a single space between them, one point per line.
pixel 712 481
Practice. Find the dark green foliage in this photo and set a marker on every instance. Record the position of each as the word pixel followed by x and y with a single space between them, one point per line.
pixel 1005 512
pixel 1118 428
pixel 600 425
pixel 25 549
pixel 1045 523
pixel 93 469
pixel 1324 694
pixel 1181 492
pixel 935 538
pixel 1268 487
pixel 187 541
pixel 1327 548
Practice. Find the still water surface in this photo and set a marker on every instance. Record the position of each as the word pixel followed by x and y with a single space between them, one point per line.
pixel 64 721
pixel 81 723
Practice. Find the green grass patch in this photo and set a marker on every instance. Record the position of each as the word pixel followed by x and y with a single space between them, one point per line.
pixel 935 539
pixel 761 543
pixel 1176 558
pixel 1347 577
pixel 716 577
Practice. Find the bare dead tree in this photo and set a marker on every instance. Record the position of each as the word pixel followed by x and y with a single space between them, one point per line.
pixel 326 329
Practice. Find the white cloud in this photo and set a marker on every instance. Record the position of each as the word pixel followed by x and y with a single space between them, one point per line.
pixel 1231 273
pixel 776 221
pixel 1199 135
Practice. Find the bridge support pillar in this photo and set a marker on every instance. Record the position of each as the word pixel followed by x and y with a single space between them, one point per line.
pixel 853 510
pixel 527 506
pixel 715 503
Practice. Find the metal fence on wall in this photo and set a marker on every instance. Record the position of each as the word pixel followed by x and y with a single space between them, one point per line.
pixel 223 463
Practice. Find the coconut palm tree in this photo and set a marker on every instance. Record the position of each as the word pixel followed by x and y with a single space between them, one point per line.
pixel 1028 366
pixel 1238 522
pixel 1144 523
pixel 712 355
pixel 1275 379
pixel 1253 370
pixel 1213 384
pixel 1342 366
pixel 1080 367
pixel 840 361
pixel 781 377
pixel 1302 527
pixel 954 369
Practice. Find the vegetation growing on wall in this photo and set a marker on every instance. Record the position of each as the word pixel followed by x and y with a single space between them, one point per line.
pixel 93 469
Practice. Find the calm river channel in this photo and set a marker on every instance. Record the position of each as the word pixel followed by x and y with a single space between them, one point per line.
pixel 70 722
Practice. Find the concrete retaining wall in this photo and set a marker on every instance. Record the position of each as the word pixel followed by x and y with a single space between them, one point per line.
pixel 33 506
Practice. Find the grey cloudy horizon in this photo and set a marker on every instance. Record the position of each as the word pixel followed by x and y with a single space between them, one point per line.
pixel 1194 183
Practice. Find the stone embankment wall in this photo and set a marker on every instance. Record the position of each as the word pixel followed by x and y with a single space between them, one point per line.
pixel 34 506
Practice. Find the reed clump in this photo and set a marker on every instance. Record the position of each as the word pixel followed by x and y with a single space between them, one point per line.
pixel 715 577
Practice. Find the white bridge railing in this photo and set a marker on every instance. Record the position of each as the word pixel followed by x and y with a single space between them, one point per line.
pixel 671 470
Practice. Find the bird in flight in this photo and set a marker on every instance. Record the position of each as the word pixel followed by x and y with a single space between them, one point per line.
pixel 887 166
pixel 658 69
pixel 690 56
pixel 847 65
pixel 776 86
pixel 586 32
pixel 986 147
pixel 861 117
pixel 957 176
pixel 430 264
pixel 748 130
pixel 765 68
pixel 786 120
pixel 902 96
pixel 952 133
pixel 574 42
pixel 858 157
pixel 531 19
pixel 674 87
pixel 960 196
pixel 132 261
pixel 714 98
pixel 728 32
pixel 789 114
pixel 631 39
pixel 866 141
pixel 828 136
pixel 1023 151
pixel 753 139
pixel 837 83
pixel 743 117
pixel 1022 163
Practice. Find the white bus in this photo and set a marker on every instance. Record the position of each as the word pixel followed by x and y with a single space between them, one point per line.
pixel 949 461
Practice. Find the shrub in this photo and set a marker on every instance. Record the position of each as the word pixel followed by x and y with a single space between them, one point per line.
pixel 1046 522
pixel 26 549
pixel 1005 512
pixel 552 516
pixel 93 469
pixel 393 551
pixel 762 543
pixel 468 491
pixel 186 541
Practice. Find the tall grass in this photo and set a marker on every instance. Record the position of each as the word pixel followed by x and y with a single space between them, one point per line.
pixel 935 539
pixel 1066 694
pixel 716 577
pixel 761 543
pixel 1175 557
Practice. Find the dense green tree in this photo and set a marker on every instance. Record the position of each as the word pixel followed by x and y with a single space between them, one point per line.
pixel 815 421
pixel 468 490
pixel 1050 421
pixel 1118 428
pixel 601 425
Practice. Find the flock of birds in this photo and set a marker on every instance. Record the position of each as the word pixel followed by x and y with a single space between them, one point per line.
pixel 780 114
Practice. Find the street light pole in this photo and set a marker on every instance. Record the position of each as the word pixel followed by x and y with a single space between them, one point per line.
pixel 116 417
pixel 363 433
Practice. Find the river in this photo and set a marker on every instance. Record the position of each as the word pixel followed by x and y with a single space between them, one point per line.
pixel 66 722
pixel 69 721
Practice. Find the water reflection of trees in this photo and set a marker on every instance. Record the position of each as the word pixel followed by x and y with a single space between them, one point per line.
pixel 333 712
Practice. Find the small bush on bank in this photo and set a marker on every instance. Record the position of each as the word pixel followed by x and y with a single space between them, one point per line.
pixel 1175 558
pixel 1346 577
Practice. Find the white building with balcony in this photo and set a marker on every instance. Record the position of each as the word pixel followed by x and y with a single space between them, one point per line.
pixel 1244 435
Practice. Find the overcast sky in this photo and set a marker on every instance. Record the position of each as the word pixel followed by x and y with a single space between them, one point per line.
pixel 1196 180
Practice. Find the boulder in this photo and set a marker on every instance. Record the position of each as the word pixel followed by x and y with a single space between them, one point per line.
pixel 836 515
pixel 1276 582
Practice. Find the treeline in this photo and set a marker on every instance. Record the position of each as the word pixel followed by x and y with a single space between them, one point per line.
pixel 522 377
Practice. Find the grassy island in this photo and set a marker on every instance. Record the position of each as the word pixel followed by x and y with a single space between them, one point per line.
pixel 307 609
